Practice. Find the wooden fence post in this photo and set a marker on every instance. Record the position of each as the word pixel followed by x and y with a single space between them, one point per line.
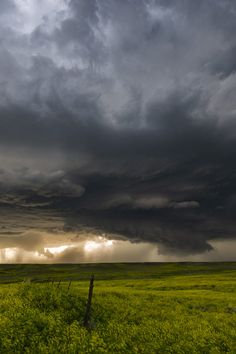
pixel 69 286
pixel 89 302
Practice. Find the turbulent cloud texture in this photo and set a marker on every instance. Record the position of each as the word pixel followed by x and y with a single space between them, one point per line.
pixel 119 117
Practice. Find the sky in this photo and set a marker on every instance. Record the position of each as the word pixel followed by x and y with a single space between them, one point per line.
pixel 117 130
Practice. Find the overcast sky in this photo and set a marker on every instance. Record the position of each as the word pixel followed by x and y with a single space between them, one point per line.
pixel 118 118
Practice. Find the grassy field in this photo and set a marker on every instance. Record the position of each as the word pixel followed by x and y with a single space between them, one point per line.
pixel 136 308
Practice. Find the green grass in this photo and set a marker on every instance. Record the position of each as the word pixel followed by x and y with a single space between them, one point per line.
pixel 137 308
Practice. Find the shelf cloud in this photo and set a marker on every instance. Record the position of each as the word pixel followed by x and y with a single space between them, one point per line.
pixel 119 117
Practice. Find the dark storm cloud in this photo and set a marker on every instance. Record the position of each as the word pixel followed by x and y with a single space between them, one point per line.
pixel 120 116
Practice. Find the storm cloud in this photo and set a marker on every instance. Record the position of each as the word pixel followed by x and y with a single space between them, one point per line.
pixel 118 117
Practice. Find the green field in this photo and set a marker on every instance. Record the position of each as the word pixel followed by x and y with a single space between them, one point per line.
pixel 136 308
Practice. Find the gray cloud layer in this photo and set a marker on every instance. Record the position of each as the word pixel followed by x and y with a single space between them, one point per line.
pixel 120 116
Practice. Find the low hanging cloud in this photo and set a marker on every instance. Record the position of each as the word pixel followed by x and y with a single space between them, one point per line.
pixel 119 117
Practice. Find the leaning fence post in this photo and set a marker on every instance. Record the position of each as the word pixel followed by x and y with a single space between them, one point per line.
pixel 69 285
pixel 89 302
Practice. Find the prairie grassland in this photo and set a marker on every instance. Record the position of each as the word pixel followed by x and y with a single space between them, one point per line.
pixel 169 308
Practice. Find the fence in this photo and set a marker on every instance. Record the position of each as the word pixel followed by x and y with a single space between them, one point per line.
pixel 87 315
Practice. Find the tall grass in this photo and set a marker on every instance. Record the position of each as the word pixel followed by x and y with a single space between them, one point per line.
pixel 174 314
